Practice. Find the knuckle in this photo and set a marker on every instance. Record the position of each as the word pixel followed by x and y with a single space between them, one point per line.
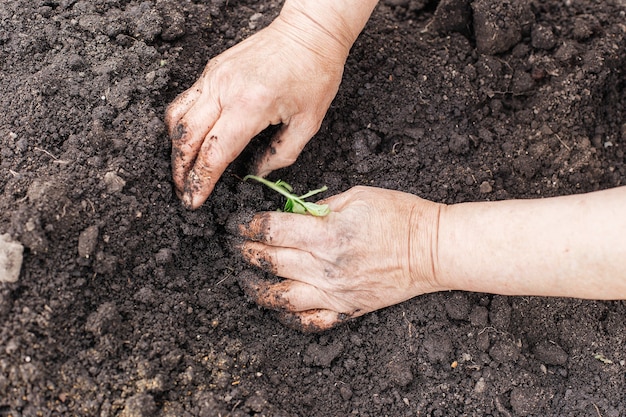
pixel 358 190
pixel 259 93
pixel 275 296
pixel 259 228
pixel 282 160
pixel 259 257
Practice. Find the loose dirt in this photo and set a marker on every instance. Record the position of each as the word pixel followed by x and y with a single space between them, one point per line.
pixel 128 305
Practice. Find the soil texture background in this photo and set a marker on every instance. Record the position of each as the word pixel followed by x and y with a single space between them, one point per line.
pixel 128 305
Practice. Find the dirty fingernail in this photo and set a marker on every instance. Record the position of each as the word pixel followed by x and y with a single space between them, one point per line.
pixel 186 199
pixel 191 185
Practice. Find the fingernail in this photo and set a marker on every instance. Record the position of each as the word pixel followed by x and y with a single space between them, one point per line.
pixel 188 192
pixel 187 200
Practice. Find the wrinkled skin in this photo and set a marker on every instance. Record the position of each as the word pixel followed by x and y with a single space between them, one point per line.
pixel 280 75
pixel 376 248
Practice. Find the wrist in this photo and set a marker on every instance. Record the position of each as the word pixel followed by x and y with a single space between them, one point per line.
pixel 327 27
pixel 424 228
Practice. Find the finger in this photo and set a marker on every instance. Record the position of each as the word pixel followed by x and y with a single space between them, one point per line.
pixel 224 142
pixel 286 295
pixel 181 105
pixel 188 136
pixel 285 148
pixel 338 202
pixel 312 321
pixel 286 230
pixel 289 263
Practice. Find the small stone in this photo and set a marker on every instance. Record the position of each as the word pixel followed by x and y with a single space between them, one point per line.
pixel 163 256
pixel 485 187
pixel 87 241
pixel 11 255
pixel 345 392
pixel 480 386
pixel 113 182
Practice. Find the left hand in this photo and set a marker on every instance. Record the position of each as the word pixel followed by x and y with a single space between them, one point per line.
pixel 373 250
pixel 285 74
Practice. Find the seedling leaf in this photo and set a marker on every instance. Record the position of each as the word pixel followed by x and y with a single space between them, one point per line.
pixel 294 203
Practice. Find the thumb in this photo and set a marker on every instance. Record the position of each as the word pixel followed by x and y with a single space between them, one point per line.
pixel 285 147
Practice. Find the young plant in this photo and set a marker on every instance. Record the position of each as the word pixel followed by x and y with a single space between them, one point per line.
pixel 295 204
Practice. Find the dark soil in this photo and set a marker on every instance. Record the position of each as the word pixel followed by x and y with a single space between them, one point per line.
pixel 127 304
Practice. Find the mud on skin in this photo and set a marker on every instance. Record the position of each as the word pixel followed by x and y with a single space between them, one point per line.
pixel 154 321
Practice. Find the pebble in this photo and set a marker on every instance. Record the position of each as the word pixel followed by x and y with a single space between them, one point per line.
pixel 87 241
pixel 113 182
pixel 11 255
pixel 345 392
pixel 480 386
pixel 485 187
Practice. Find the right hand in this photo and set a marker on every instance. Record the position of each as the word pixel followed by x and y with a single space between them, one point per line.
pixel 376 248
pixel 284 74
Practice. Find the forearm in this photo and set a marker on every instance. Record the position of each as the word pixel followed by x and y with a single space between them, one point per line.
pixel 572 246
pixel 333 22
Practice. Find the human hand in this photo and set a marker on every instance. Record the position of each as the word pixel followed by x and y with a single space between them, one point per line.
pixel 285 74
pixel 376 248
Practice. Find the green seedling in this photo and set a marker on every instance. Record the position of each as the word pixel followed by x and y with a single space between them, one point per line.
pixel 295 204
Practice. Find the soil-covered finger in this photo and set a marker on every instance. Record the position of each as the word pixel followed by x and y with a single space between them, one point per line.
pixel 181 105
pixel 285 230
pixel 312 321
pixel 286 295
pixel 188 135
pixel 288 263
pixel 223 143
